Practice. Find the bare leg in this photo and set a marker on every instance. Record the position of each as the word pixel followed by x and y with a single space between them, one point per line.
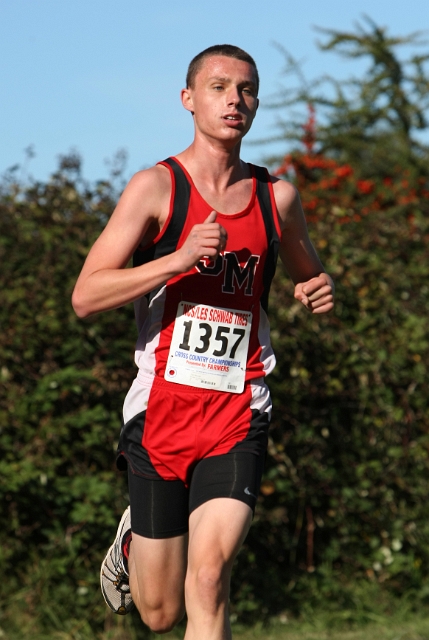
pixel 216 531
pixel 157 573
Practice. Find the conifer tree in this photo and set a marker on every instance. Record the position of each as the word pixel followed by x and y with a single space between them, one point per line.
pixel 367 120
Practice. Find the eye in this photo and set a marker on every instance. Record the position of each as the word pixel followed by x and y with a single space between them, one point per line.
pixel 218 87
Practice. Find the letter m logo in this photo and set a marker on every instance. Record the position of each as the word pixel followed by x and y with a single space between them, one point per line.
pixel 235 275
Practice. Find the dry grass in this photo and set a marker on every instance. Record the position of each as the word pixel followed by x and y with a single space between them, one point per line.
pixel 401 625
pixel 413 629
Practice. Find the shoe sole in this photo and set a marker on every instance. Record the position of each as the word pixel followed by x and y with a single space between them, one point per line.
pixel 123 609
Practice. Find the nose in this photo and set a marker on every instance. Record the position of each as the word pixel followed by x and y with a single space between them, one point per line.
pixel 233 96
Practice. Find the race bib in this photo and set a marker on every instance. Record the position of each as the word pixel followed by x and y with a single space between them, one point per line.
pixel 209 347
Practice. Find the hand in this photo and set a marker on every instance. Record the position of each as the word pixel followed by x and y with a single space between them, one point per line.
pixel 205 240
pixel 316 294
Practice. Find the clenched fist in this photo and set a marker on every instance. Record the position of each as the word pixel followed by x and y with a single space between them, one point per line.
pixel 316 294
pixel 205 240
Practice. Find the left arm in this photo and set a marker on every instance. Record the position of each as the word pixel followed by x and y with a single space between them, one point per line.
pixel 313 286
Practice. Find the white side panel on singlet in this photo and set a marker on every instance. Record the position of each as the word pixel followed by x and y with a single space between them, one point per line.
pixel 148 319
pixel 261 399
pixel 149 334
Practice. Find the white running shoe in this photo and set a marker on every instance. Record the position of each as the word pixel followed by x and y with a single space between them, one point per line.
pixel 114 579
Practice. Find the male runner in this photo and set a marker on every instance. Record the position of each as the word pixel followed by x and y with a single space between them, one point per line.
pixel 204 228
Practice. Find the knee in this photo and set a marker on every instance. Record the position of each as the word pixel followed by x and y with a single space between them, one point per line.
pixel 208 584
pixel 161 620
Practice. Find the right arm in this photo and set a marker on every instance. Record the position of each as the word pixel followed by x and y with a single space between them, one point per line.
pixel 104 283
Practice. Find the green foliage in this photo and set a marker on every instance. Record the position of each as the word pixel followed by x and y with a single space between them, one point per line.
pixel 63 382
pixel 344 498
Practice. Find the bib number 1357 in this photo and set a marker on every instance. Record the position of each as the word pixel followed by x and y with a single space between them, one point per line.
pixel 206 333
pixel 209 347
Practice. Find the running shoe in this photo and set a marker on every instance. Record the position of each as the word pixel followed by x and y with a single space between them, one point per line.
pixel 114 579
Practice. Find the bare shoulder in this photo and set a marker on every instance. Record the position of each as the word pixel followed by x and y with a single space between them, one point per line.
pixel 148 191
pixel 139 215
pixel 156 177
pixel 287 201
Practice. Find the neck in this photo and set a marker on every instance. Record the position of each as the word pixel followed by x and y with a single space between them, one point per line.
pixel 221 167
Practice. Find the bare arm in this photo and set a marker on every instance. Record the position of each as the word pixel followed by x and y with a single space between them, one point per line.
pixel 313 286
pixel 104 282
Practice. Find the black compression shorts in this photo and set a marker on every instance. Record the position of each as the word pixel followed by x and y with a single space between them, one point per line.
pixel 160 508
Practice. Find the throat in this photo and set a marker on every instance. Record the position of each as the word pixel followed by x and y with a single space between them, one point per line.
pixel 233 199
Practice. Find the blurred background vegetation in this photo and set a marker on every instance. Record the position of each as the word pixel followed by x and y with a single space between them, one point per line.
pixel 342 527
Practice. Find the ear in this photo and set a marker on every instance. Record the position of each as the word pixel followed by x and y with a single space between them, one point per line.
pixel 186 96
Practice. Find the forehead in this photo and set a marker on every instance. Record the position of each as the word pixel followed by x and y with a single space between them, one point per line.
pixel 226 67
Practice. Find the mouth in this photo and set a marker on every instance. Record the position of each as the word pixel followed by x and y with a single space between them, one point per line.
pixel 233 119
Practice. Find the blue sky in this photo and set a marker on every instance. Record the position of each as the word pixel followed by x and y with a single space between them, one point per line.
pixel 97 76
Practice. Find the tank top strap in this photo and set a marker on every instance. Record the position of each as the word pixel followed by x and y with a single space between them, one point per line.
pixel 265 198
pixel 167 241
pixel 266 201
pixel 181 196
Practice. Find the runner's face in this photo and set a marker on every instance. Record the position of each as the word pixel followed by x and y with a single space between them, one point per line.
pixel 224 98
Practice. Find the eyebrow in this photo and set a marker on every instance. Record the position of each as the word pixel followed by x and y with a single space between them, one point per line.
pixel 219 79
